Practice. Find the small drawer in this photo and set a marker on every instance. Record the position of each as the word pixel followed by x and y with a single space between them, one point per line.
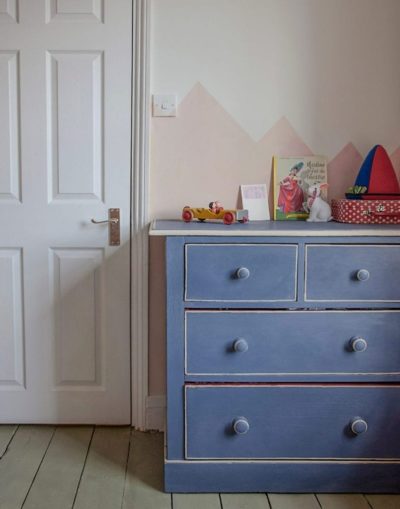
pixel 298 344
pixel 240 273
pixel 292 422
pixel 363 273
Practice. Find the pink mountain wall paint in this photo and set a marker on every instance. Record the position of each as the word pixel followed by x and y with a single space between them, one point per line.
pixel 204 154
pixel 395 157
pixel 343 170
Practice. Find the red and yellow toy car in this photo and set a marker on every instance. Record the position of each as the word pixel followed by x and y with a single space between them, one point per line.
pixel 215 211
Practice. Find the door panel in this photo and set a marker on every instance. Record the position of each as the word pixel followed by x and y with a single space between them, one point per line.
pixel 8 11
pixel 11 325
pixel 75 127
pixel 74 10
pixel 79 310
pixel 65 102
pixel 9 120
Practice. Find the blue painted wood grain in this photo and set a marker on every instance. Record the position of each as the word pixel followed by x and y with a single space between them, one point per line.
pixel 282 343
pixel 175 350
pixel 301 242
pixel 212 272
pixel 282 477
pixel 324 408
pixel 331 273
pixel 292 421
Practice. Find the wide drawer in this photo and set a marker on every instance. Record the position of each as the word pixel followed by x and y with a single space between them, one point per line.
pixel 352 273
pixel 292 422
pixel 289 343
pixel 237 272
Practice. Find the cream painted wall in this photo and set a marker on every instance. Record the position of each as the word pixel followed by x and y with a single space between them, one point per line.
pixel 330 66
pixel 258 77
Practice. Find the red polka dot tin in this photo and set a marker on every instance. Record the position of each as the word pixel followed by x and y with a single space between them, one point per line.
pixel 366 211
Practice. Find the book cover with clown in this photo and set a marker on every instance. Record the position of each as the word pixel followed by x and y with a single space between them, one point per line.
pixel 292 178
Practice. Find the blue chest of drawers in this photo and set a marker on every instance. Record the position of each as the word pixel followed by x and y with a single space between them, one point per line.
pixel 283 357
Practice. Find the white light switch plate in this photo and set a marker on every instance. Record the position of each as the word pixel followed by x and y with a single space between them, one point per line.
pixel 164 105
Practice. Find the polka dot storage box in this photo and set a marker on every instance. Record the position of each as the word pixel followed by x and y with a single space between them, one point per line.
pixel 366 211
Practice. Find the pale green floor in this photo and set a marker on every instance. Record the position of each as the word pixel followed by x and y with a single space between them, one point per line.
pixel 46 467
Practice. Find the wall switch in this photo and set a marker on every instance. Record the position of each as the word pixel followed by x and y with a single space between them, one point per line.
pixel 164 105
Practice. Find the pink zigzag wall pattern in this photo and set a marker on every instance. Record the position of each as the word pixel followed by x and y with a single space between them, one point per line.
pixel 204 154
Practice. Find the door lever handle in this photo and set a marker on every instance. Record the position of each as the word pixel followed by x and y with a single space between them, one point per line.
pixel 113 221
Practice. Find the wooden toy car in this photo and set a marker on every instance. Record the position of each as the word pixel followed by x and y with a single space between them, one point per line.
pixel 215 211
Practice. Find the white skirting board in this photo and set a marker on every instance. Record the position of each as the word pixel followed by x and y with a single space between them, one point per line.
pixel 155 413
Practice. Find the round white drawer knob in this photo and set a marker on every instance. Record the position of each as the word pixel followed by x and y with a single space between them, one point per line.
pixel 358 344
pixel 240 345
pixel 358 426
pixel 241 425
pixel 363 275
pixel 242 273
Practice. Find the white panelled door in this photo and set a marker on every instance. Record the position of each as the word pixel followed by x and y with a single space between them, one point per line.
pixel 65 131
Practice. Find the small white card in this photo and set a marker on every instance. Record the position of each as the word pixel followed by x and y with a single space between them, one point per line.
pixel 255 200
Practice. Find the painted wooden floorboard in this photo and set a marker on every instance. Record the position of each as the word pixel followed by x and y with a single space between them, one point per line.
pixel 102 483
pixel 46 470
pixel 307 501
pixel 19 465
pixel 58 477
pixel 144 479
pixel 384 501
pixel 196 501
pixel 244 501
pixel 339 501
pixel 6 434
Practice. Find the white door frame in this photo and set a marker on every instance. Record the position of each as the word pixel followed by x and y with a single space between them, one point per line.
pixel 139 220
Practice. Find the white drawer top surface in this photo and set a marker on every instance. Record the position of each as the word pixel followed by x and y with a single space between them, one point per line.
pixel 176 227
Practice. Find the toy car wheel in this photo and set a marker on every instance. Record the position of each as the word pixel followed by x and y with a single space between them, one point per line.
pixel 244 220
pixel 187 215
pixel 229 218
pixel 201 220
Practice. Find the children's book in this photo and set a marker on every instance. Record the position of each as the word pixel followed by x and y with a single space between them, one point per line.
pixel 292 178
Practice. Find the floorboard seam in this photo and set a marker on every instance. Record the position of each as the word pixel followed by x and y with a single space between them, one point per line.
pixel 38 468
pixel 368 502
pixel 269 501
pixel 317 499
pixel 220 501
pixel 126 468
pixel 9 443
pixel 83 467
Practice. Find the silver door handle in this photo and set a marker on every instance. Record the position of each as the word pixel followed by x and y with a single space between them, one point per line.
pixel 113 220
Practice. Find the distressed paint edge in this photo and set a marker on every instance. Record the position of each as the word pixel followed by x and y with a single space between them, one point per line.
pixel 288 233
